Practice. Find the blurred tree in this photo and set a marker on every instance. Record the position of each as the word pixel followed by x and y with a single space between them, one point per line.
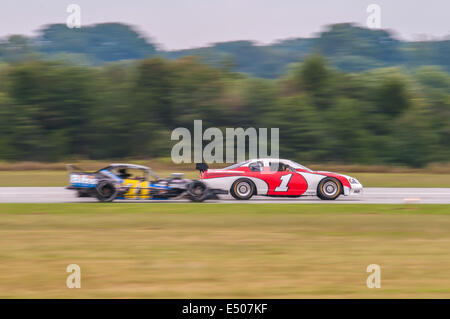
pixel 51 110
pixel 198 93
pixel 302 130
pixel 392 96
pixel 18 48
pixel 259 97
pixel 314 77
pixel 100 43
pixel 349 139
pixel 414 140
pixel 346 39
pixel 56 98
pixel 152 91
pixel 151 102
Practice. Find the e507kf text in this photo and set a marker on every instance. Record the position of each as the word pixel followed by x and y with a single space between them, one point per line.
pixel 246 308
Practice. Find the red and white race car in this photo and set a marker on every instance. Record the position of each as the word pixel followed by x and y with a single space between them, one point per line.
pixel 277 177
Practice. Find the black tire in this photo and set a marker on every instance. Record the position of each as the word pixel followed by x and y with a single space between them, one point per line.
pixel 82 194
pixel 105 191
pixel 329 188
pixel 243 189
pixel 197 191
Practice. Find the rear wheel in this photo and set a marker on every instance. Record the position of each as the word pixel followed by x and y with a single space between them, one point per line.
pixel 329 189
pixel 106 191
pixel 197 191
pixel 242 189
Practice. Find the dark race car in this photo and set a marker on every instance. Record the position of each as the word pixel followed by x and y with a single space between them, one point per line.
pixel 136 182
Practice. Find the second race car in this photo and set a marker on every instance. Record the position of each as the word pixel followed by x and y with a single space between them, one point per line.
pixel 129 181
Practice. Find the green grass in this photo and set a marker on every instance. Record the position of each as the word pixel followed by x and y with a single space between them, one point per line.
pixel 60 178
pixel 33 178
pixel 403 179
pixel 224 250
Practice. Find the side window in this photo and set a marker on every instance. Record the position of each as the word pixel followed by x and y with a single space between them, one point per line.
pixel 275 166
pixel 279 167
pixel 256 166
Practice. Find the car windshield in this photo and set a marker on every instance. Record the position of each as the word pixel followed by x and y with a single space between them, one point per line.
pixel 299 166
pixel 236 165
pixel 129 173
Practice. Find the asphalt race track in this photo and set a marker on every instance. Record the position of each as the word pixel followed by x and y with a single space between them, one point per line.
pixel 371 195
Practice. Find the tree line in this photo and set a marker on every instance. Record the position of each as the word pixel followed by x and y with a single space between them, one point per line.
pixel 52 111
pixel 349 47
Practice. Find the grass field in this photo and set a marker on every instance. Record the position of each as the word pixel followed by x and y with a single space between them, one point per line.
pixel 55 174
pixel 60 178
pixel 224 250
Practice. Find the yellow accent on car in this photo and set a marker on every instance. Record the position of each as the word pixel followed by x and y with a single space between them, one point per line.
pixel 137 189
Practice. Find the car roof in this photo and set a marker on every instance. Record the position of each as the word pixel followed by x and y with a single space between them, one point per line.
pixel 269 159
pixel 131 166
pixel 272 159
pixel 264 159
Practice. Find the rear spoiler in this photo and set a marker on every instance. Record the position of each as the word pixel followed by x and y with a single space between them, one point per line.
pixel 71 168
pixel 201 167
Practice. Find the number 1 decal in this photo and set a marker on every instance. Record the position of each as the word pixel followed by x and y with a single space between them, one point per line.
pixel 284 183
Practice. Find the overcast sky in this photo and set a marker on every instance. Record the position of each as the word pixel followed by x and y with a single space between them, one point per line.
pixel 177 24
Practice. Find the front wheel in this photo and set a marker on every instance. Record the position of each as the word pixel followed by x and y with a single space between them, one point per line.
pixel 329 189
pixel 242 189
